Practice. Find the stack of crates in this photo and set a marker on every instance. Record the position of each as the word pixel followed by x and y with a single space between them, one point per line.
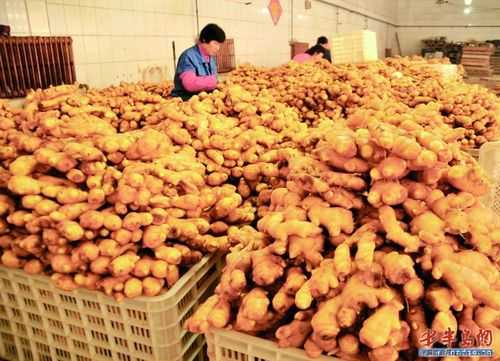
pixel 356 47
pixel 39 322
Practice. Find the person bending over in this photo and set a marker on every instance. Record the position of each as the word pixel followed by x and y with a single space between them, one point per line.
pixel 323 41
pixel 312 54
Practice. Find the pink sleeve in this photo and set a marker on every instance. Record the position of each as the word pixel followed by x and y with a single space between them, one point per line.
pixel 193 83
pixel 301 58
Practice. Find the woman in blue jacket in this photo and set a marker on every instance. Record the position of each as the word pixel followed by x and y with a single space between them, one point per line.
pixel 197 69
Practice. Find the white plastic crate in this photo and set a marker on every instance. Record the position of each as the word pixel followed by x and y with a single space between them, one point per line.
pixel 448 72
pixel 226 345
pixel 39 322
pixel 356 47
pixel 489 160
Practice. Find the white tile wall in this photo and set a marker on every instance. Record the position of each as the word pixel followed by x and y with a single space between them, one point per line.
pixel 82 73
pixel 56 19
pixel 105 45
pixel 17 17
pixel 74 23
pixel 411 38
pixel 116 40
pixel 421 15
pixel 4 19
pixel 79 50
pixel 381 9
pixel 328 19
pixel 90 3
pixel 427 12
pixel 91 44
pixel 89 20
pixel 37 15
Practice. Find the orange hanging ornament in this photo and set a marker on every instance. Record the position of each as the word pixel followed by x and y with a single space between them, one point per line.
pixel 275 10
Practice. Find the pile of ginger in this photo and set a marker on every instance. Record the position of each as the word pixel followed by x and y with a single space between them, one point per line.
pixel 351 219
pixel 321 90
pixel 128 212
pixel 377 238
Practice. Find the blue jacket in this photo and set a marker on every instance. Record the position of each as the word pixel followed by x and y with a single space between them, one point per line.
pixel 192 60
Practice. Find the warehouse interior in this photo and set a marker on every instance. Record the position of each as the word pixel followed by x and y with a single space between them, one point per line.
pixel 249 180
pixel 117 39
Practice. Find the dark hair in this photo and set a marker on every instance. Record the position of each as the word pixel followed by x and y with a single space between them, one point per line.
pixel 322 40
pixel 212 32
pixel 316 49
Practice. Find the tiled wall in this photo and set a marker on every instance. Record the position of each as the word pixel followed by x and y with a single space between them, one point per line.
pixel 257 40
pixel 113 40
pixel 324 19
pixel 416 19
pixel 117 40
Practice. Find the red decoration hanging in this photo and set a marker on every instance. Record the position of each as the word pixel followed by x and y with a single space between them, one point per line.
pixel 275 10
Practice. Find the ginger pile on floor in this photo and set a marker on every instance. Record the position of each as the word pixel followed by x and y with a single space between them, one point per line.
pixel 349 214
pixel 321 90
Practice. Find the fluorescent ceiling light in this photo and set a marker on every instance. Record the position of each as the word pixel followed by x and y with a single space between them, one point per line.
pixel 468 2
pixel 467 10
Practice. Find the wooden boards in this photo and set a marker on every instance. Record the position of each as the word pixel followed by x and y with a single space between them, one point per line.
pixel 477 59
pixel 495 61
pixel 225 57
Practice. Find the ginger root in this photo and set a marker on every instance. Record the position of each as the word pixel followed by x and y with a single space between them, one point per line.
pixel 395 232
pixel 377 328
pixel 254 314
pixel 296 332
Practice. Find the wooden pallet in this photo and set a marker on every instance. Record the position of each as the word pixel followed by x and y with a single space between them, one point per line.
pixel 477 60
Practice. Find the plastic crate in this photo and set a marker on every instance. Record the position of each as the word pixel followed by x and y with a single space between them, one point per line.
pixel 39 322
pixel 225 345
pixel 356 47
pixel 449 72
pixel 489 160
